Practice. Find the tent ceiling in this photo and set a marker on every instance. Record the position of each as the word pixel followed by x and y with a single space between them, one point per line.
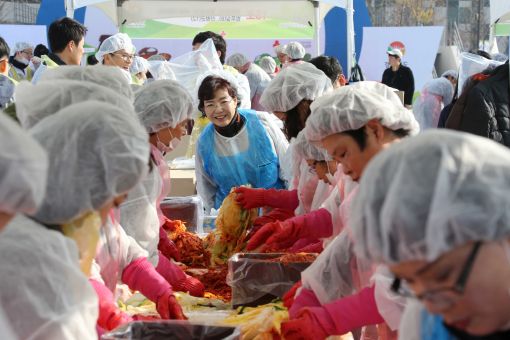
pixel 129 11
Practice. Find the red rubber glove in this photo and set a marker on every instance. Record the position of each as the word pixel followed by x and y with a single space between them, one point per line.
pixel 277 235
pixel 308 327
pixel 110 316
pixel 167 247
pixel 274 215
pixel 288 298
pixel 169 308
pixel 305 298
pixel 340 316
pixel 250 198
pixel 181 282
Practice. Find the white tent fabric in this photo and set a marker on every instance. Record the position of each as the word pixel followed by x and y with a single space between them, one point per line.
pixel 299 11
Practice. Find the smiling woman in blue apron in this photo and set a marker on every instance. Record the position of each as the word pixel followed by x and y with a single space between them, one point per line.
pixel 238 147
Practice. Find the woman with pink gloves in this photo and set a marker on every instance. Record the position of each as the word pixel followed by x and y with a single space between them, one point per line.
pixel 164 108
pixel 340 293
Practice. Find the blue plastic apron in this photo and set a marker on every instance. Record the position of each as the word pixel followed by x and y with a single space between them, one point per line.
pixel 257 165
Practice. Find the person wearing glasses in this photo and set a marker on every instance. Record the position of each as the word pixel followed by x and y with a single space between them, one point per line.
pixel 20 61
pixel 354 124
pixel 66 38
pixel 238 147
pixel 435 209
pixel 118 50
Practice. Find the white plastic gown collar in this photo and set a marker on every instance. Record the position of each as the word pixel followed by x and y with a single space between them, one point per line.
pixel 99 153
pixel 351 107
pixel 36 102
pixel 163 103
pixel 293 84
pixel 430 194
pixel 23 169
pixel 111 77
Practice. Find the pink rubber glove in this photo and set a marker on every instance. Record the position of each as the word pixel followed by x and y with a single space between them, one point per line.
pixel 250 198
pixel 178 279
pixel 316 224
pixel 110 316
pixel 288 298
pixel 305 298
pixel 141 275
pixel 340 316
pixel 167 247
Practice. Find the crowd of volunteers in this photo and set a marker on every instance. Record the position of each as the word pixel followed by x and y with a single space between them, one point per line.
pixel 411 222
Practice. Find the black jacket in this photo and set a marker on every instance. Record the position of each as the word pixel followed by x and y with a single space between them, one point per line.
pixel 487 109
pixel 402 80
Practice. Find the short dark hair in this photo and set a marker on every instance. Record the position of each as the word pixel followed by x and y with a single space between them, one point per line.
pixel 5 51
pixel 209 86
pixel 40 50
pixel 62 31
pixel 219 43
pixel 91 60
pixel 329 65
pixel 360 136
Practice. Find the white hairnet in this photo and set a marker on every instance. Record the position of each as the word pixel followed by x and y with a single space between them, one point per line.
pixel 111 77
pixel 268 64
pixel 351 107
pixel 292 85
pixel 427 107
pixel 161 70
pixel 237 60
pixel 117 42
pixel 295 50
pixel 139 65
pixel 23 169
pixel 450 73
pixel 440 87
pixel 97 151
pixel 21 45
pixel 163 103
pixel 430 194
pixel 305 150
pixel 280 49
pixel 36 102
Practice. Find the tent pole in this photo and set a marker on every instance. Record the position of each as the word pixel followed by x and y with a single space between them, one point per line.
pixel 316 25
pixel 69 8
pixel 351 51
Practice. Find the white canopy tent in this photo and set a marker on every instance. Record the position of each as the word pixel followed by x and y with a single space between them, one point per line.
pixel 301 11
